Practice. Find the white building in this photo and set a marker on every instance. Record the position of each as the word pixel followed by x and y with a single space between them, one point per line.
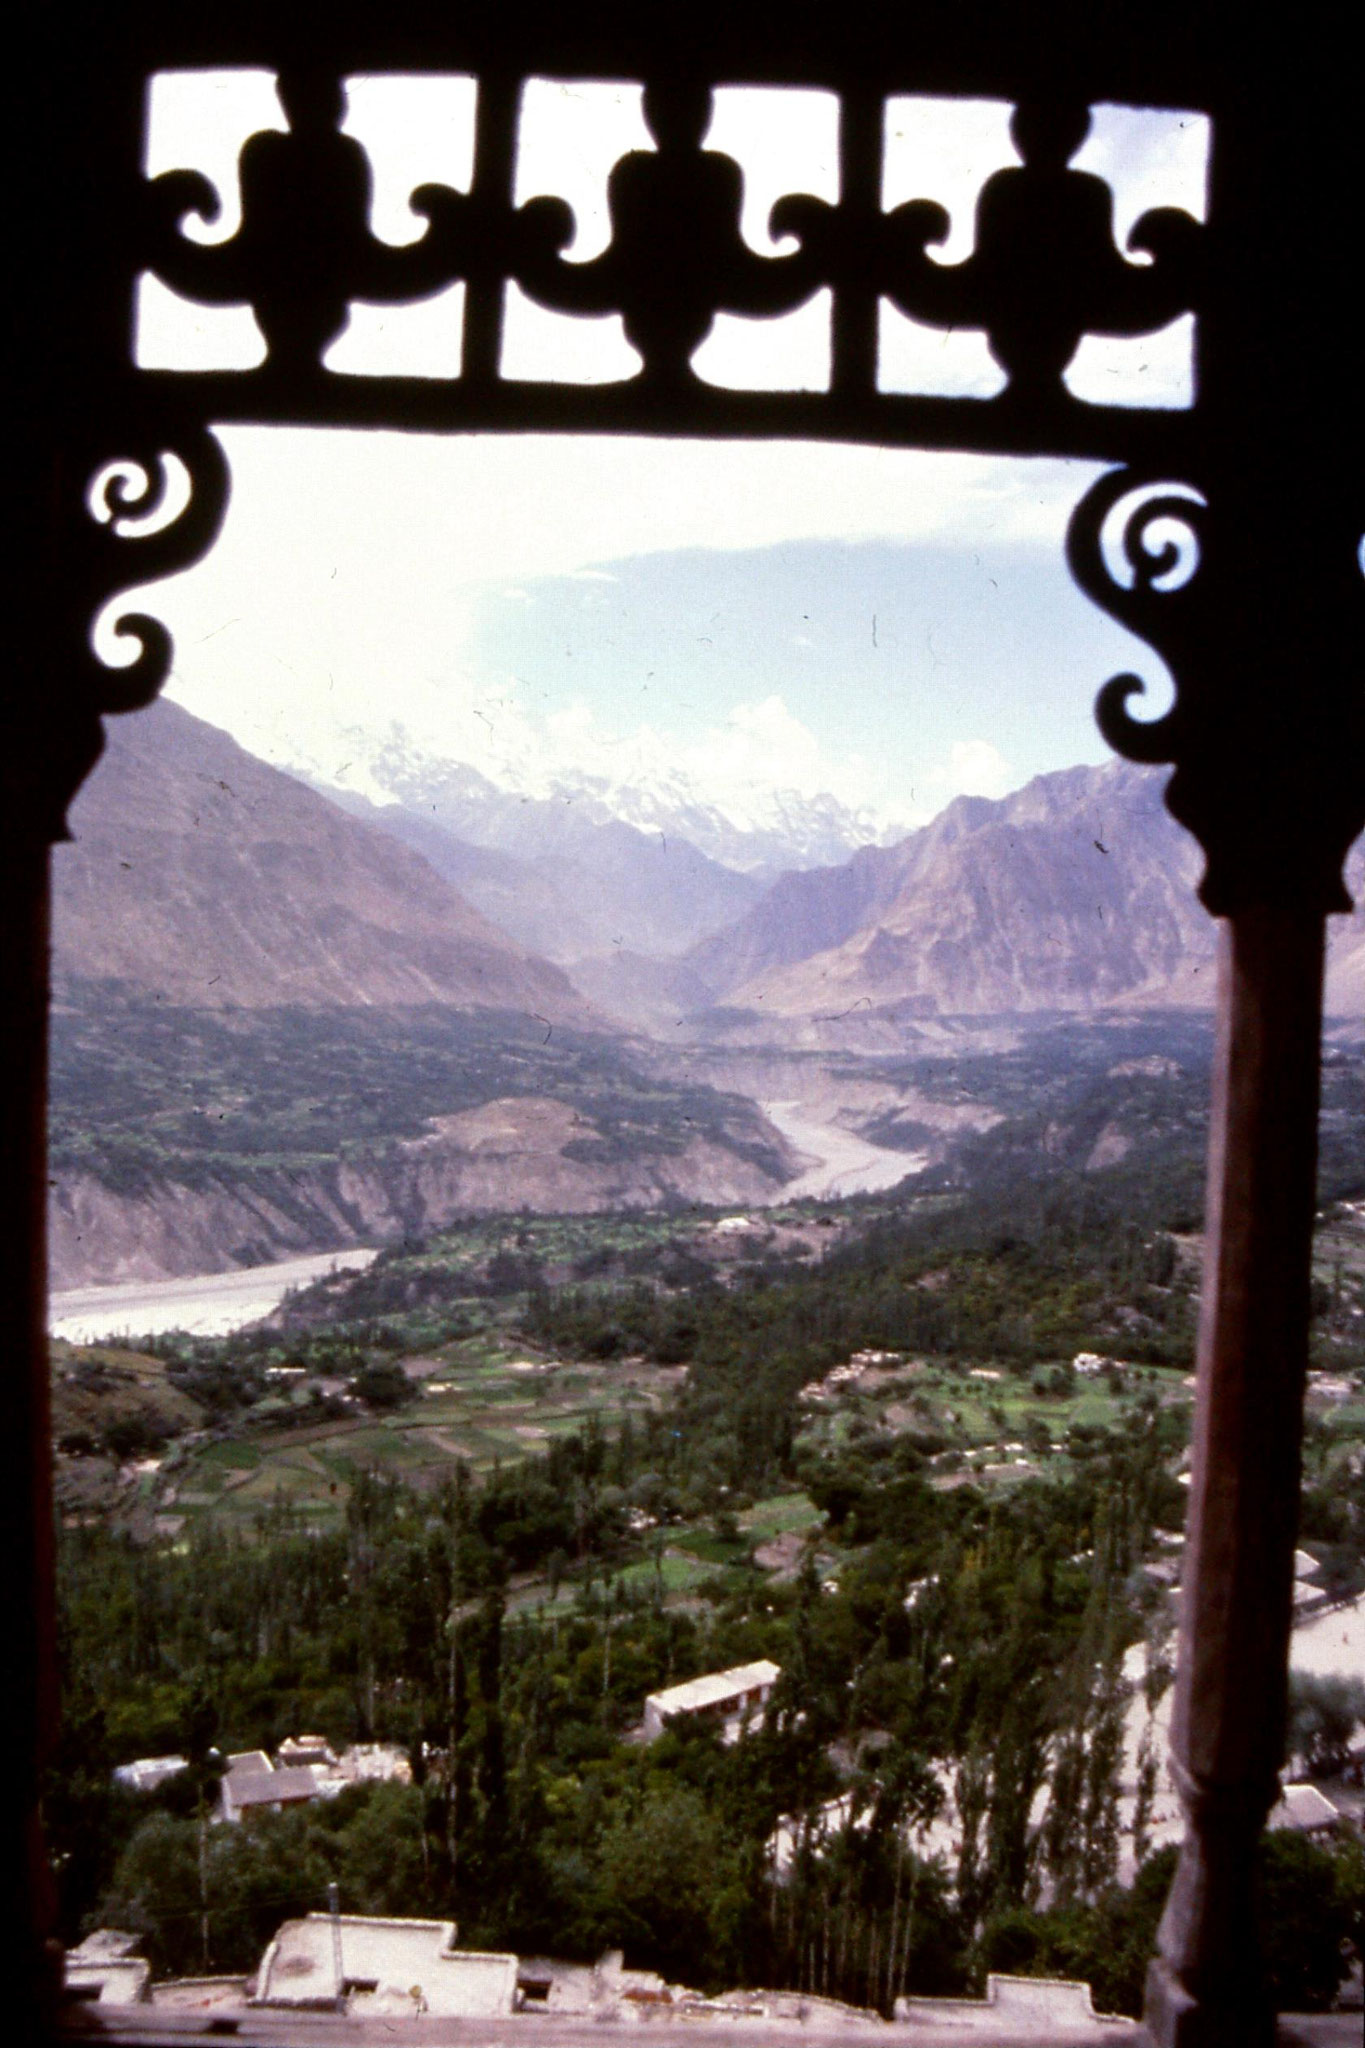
pixel 734 1700
pixel 384 1967
pixel 305 1750
pixel 1306 1810
pixel 104 1970
pixel 145 1773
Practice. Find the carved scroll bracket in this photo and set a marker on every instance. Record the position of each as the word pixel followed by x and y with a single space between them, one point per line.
pixel 129 527
pixel 1267 730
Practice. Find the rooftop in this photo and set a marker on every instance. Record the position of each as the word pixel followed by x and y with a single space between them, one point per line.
pixel 103 1971
pixel 1020 2008
pixel 145 1773
pixel 714 1688
pixel 247 1785
pixel 1305 1808
pixel 388 1966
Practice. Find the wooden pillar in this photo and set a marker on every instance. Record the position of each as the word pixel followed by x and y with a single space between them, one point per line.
pixel 26 1579
pixel 1205 1988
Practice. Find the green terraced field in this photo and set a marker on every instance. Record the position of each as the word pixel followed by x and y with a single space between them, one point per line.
pixel 680 1574
pixel 490 1415
pixel 778 1516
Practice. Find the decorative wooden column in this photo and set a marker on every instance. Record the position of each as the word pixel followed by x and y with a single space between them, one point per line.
pixel 1266 736
pixel 1205 1988
pixel 1246 578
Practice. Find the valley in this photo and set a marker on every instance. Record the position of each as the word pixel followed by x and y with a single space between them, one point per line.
pixel 922 1450
pixel 283 1028
pixel 535 1262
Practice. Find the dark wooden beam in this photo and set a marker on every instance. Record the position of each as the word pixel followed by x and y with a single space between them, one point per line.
pixel 26 1533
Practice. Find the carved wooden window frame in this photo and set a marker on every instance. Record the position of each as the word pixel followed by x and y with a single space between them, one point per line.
pixel 1266 733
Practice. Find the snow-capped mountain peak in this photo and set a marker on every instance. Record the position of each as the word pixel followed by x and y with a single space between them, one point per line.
pixel 762 829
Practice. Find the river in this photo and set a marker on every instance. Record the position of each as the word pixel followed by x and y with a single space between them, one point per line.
pixel 847 1165
pixel 214 1304
pixel 205 1304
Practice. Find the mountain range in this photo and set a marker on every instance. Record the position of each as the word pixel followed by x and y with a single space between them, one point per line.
pixel 225 882
pixel 580 867
pixel 201 874
pixel 560 881
pixel 281 1024
pixel 1076 894
pixel 770 830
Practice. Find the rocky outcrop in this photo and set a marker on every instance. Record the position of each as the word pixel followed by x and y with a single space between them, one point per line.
pixel 517 1153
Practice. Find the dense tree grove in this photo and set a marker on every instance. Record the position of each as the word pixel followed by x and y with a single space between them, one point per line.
pixel 532 1823
pixel 971 1640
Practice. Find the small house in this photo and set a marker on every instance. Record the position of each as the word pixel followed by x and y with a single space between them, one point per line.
pixel 732 1700
pixel 145 1773
pixel 252 1784
pixel 1305 1810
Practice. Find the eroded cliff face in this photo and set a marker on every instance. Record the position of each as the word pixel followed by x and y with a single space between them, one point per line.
pixel 523 1152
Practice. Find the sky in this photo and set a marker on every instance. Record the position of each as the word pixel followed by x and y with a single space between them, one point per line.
pixel 892 627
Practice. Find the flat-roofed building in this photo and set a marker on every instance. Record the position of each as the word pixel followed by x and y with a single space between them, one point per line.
pixel 104 1970
pixel 145 1773
pixel 304 1750
pixel 734 1700
pixel 384 1967
pixel 1306 1810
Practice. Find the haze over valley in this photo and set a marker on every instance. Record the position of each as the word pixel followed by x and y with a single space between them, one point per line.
pixel 290 1020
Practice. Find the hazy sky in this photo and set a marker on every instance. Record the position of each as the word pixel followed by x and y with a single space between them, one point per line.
pixel 891 627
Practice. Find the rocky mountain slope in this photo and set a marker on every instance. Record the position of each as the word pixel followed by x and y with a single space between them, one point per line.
pixel 560 882
pixel 201 874
pixel 277 1029
pixel 1075 894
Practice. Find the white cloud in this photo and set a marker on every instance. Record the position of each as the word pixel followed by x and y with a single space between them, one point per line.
pixel 758 746
pixel 974 768
pixel 346 588
pixel 424 516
